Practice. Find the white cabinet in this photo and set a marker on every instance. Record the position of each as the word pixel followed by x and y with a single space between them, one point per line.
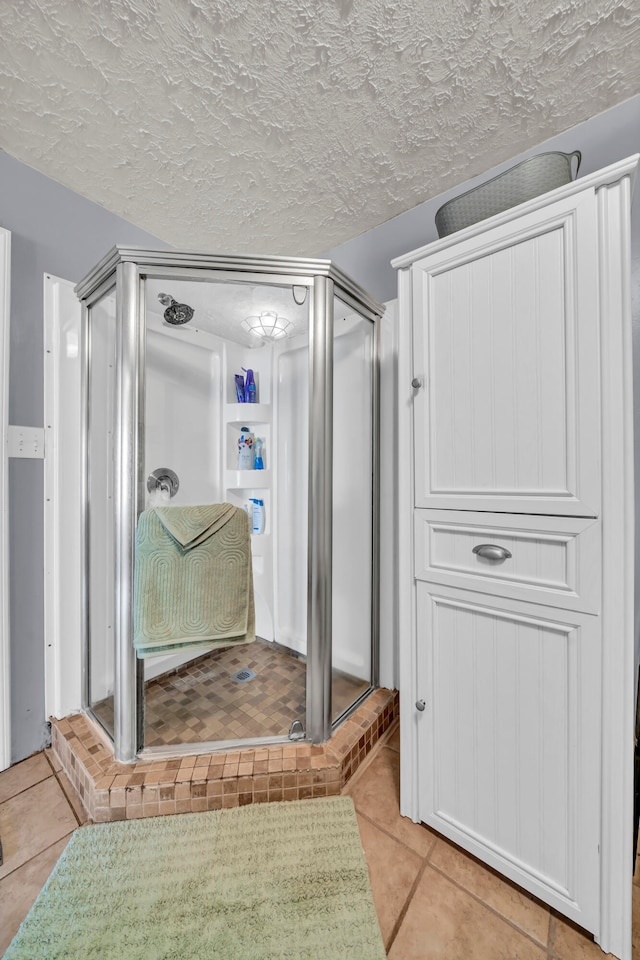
pixel 507 742
pixel 516 559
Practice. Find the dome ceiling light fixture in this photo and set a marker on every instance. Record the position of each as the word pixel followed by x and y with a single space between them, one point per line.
pixel 268 325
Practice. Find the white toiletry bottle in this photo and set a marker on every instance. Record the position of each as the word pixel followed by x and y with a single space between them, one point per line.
pixel 246 450
pixel 257 515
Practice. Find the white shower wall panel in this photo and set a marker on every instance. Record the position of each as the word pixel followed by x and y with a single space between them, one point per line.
pixel 184 416
pixel 192 427
pixel 291 415
pixel 183 431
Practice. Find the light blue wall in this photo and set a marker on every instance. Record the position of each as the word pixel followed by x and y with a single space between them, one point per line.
pixel 53 230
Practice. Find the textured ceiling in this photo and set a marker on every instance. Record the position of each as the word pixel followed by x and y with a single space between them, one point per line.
pixel 291 126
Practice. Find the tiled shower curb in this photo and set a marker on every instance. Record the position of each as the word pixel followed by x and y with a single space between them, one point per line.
pixel 148 788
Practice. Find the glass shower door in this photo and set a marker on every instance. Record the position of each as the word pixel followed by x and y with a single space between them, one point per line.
pixel 194 423
pixel 101 519
pixel 353 620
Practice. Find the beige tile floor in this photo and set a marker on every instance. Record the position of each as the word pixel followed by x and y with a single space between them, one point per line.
pixel 433 901
pixel 436 902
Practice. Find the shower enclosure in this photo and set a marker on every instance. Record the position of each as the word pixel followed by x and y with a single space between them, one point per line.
pixel 164 335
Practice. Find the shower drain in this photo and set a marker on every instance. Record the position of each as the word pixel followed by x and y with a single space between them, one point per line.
pixel 242 676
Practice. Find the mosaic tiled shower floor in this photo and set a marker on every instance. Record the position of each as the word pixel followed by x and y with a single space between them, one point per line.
pixel 150 787
pixel 202 701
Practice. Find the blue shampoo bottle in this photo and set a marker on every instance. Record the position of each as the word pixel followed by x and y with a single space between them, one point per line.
pixel 250 392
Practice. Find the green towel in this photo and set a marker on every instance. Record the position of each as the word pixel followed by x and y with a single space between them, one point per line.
pixel 193 579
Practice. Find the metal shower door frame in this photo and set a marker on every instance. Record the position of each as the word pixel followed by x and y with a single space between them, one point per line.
pixel 130 268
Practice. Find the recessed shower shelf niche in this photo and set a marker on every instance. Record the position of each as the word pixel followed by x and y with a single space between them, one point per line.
pixel 240 495
pixel 248 413
pixel 260 429
pixel 248 479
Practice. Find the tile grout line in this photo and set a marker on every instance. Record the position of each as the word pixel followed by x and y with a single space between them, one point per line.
pixel 391 836
pixel 474 896
pixel 405 907
pixel 418 877
pixel 46 756
pixel 31 785
pixel 551 935
pixel 35 856
pixel 377 748
pixel 64 792
pixel 66 796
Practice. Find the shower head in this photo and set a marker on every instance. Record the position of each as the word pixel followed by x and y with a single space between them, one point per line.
pixel 176 313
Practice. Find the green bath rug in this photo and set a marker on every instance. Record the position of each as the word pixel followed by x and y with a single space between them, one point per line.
pixel 262 882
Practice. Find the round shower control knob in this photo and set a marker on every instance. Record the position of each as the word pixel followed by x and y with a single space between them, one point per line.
pixel 163 480
pixel 420 705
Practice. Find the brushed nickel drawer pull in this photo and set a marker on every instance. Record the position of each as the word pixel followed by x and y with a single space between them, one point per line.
pixel 491 551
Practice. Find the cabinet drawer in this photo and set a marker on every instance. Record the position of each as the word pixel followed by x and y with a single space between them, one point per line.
pixel 554 560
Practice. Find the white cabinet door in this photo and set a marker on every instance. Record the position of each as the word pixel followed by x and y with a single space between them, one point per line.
pixel 505 344
pixel 508 741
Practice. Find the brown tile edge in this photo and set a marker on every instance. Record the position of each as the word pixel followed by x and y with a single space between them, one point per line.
pixel 113 791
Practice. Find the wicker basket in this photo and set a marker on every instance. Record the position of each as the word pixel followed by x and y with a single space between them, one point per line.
pixel 522 182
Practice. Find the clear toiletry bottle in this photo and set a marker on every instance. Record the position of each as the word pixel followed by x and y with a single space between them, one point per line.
pixel 258 463
pixel 245 449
